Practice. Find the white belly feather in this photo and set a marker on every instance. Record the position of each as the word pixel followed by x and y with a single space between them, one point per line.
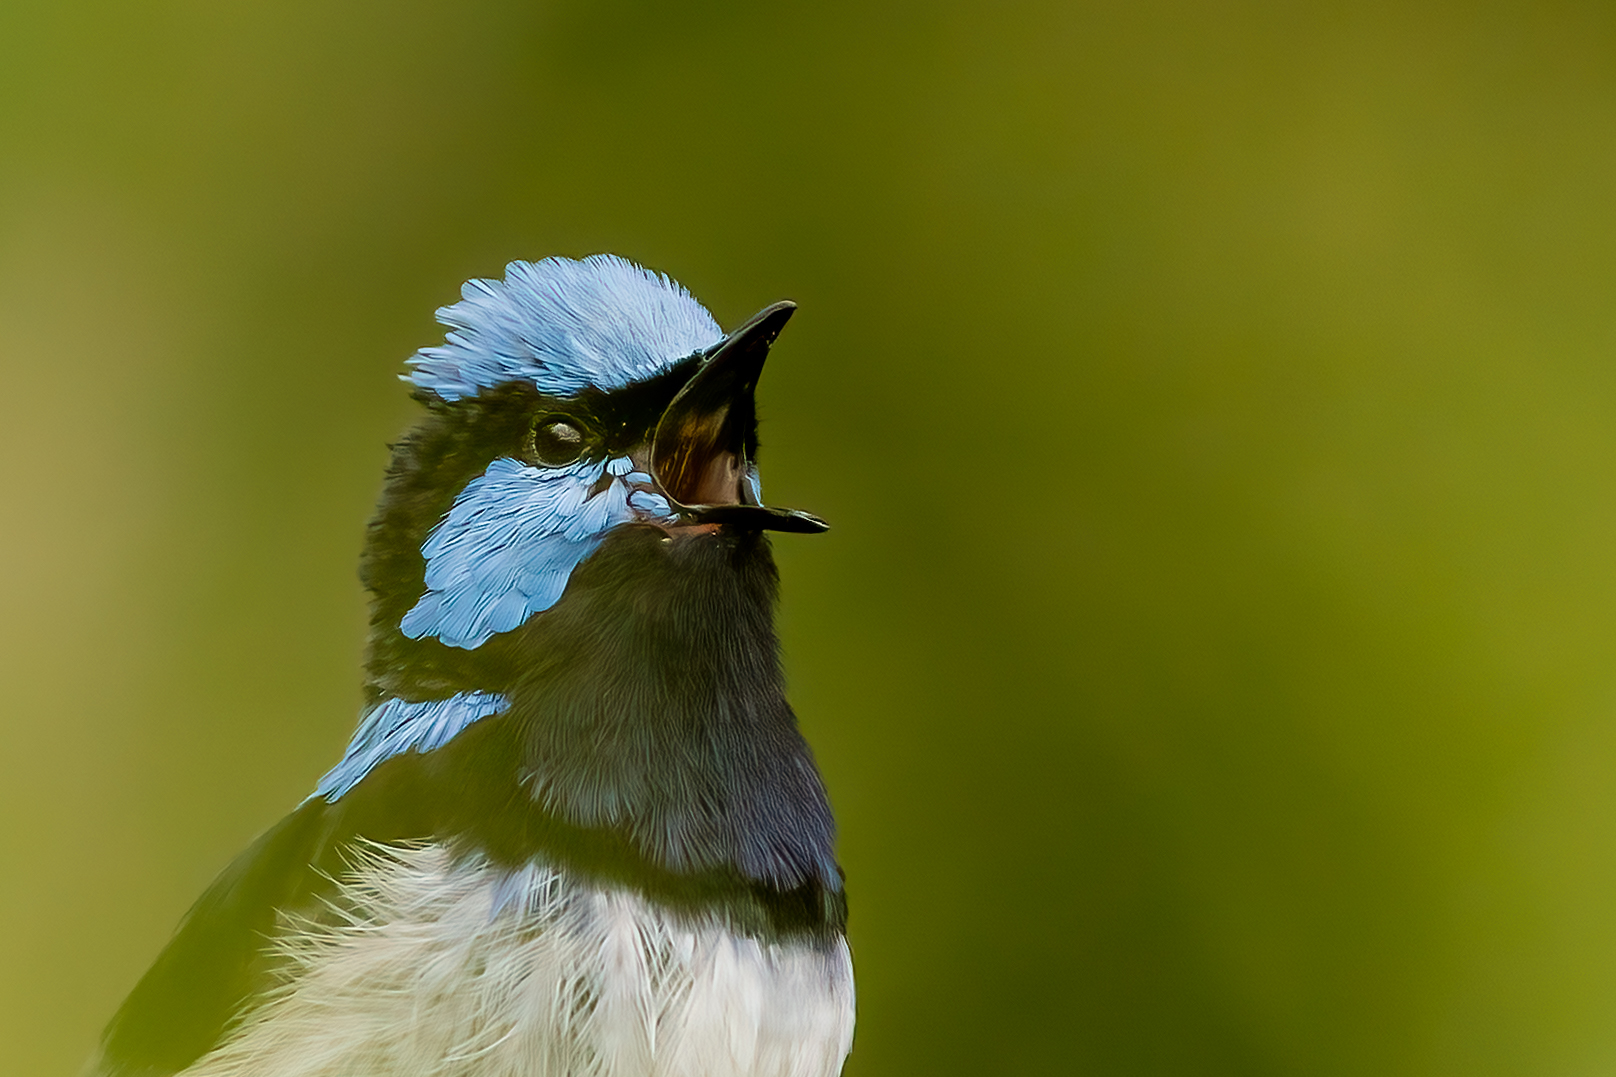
pixel 470 971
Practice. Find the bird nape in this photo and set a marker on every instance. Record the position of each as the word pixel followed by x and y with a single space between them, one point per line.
pixel 576 830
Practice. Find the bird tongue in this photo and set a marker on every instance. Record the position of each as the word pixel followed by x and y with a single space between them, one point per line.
pixel 699 451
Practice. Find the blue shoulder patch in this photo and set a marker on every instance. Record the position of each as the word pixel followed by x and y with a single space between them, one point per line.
pixel 563 326
pixel 394 727
pixel 511 540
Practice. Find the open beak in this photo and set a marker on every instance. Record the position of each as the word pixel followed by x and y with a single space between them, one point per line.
pixel 701 453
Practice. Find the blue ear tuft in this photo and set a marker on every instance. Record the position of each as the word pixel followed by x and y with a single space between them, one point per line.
pixel 563 326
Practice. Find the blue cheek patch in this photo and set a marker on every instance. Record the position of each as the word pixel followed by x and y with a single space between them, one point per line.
pixel 651 504
pixel 509 545
pixel 395 727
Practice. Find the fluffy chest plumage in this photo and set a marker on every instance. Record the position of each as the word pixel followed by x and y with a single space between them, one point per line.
pixel 468 970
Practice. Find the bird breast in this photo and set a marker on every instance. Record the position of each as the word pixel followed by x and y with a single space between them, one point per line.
pixel 460 968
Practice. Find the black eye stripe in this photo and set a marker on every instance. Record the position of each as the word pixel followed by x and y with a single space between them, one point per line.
pixel 594 423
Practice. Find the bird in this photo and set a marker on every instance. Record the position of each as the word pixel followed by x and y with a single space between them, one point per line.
pixel 577 830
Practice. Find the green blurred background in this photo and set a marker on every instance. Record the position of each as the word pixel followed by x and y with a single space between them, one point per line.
pixel 1214 659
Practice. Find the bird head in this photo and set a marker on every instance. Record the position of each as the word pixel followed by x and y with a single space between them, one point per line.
pixel 575 409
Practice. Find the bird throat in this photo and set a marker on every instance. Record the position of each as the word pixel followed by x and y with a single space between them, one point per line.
pixel 647 708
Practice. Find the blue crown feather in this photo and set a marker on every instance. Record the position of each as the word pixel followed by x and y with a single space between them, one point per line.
pixel 563 326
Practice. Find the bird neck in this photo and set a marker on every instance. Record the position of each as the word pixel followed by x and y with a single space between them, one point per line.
pixel 648 704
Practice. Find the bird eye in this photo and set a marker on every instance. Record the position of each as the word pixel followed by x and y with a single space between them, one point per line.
pixel 557 440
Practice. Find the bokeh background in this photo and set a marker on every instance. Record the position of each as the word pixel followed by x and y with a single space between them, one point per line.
pixel 1214 659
